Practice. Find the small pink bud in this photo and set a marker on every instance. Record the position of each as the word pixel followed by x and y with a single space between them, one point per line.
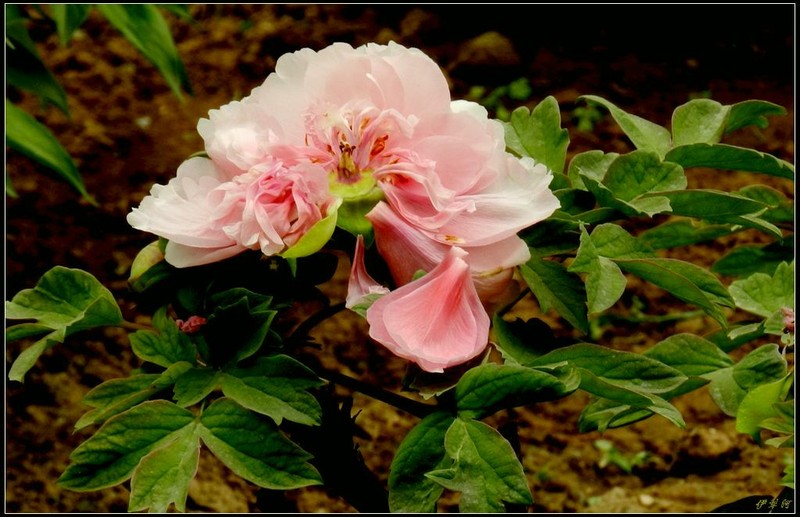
pixel 788 319
pixel 191 325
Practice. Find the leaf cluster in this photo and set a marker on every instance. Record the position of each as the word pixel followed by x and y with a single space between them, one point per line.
pixel 142 25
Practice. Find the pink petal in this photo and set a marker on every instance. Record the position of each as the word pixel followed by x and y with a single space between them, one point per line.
pixel 361 285
pixel 407 250
pixel 190 210
pixel 519 199
pixel 436 321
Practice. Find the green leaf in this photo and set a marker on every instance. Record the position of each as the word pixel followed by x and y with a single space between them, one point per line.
pixel 602 414
pixel 764 364
pixel 788 473
pixel 28 136
pixel 68 18
pixel 736 335
pixel 612 241
pixel 115 396
pixel 642 172
pixel 747 260
pixel 685 281
pixel 626 370
pixel 315 237
pixel 591 164
pixel 489 388
pixel 730 385
pixel 552 236
pixel 167 346
pixel 729 157
pixel 254 449
pixel 164 475
pixel 638 206
pixel 10 191
pixel 645 135
pixel 65 301
pixel 485 469
pixel 554 286
pixel 627 396
pixel 24 66
pixel 26 72
pixel 605 282
pixel 690 354
pixel 66 297
pixel 783 419
pixel 699 121
pixel 781 208
pixel 145 28
pixel 179 10
pixel 195 384
pixel 111 455
pixel 766 295
pixel 421 451
pixel 538 134
pixel 276 387
pixel 17 30
pixel 25 330
pixel 721 207
pixel 146 260
pixel 521 341
pixel 759 405
pixel 711 205
pixel 751 113
pixel 238 326
pixel 682 232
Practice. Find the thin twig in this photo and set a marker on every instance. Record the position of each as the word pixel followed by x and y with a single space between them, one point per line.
pixel 503 310
pixel 303 329
pixel 416 408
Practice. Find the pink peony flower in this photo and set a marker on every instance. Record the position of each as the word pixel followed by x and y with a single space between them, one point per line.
pixel 372 129
pixel 436 321
pixel 207 216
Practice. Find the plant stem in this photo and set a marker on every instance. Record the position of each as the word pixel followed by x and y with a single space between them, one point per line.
pixel 304 328
pixel 503 310
pixel 416 408
pixel 135 326
pixel 408 405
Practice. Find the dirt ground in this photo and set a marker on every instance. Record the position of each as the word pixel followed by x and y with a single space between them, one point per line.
pixel 128 131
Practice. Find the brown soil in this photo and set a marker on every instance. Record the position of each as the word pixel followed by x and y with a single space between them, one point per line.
pixel 128 131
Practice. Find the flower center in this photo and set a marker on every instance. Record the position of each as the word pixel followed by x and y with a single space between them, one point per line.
pixel 352 144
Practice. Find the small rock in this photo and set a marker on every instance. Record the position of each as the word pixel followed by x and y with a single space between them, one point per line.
pixel 707 443
pixel 646 499
pixel 489 49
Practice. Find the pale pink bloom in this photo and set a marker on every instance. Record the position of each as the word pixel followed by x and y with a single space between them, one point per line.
pixel 350 110
pixel 407 250
pixel 436 321
pixel 207 217
pixel 362 289
pixel 193 212
pixel 378 118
